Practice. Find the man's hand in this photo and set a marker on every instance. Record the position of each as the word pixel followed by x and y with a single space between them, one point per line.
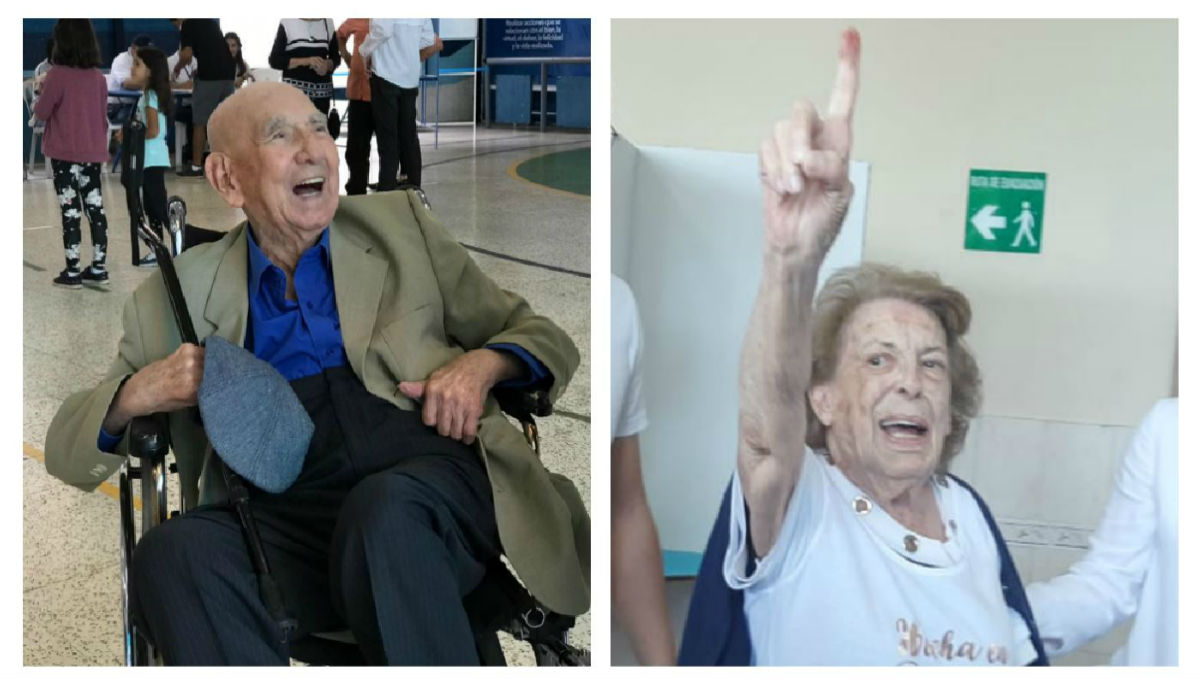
pixel 165 385
pixel 804 166
pixel 453 396
pixel 432 49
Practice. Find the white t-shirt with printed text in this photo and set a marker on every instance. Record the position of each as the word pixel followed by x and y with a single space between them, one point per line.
pixel 841 586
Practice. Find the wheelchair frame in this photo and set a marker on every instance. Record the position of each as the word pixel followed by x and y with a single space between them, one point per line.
pixel 499 603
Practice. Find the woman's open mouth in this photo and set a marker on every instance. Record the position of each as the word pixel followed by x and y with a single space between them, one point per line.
pixel 905 432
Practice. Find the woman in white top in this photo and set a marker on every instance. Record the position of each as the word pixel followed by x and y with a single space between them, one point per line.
pixel 857 548
pixel 1133 564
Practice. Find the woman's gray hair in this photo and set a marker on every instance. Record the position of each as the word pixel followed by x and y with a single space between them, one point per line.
pixel 852 287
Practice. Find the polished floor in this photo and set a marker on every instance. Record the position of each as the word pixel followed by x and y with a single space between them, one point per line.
pixel 531 239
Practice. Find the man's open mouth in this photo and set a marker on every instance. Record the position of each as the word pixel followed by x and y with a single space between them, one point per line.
pixel 904 428
pixel 309 187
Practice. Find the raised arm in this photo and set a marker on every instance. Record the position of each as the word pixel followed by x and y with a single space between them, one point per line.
pixel 185 54
pixel 804 167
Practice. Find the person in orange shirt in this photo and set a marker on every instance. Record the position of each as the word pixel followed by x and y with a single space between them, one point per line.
pixel 360 121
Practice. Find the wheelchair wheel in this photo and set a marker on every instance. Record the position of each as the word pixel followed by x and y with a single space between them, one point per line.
pixel 176 220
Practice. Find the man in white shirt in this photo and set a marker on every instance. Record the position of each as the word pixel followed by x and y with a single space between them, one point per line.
pixel 1132 566
pixel 183 79
pixel 638 591
pixel 120 108
pixel 393 51
pixel 122 66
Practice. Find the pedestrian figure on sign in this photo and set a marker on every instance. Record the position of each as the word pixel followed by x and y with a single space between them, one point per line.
pixel 1025 221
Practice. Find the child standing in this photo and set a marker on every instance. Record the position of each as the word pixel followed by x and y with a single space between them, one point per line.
pixel 74 104
pixel 151 74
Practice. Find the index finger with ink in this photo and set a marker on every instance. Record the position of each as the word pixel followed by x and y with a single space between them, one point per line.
pixel 845 82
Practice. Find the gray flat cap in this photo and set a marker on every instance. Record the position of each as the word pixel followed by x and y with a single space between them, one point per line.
pixel 252 417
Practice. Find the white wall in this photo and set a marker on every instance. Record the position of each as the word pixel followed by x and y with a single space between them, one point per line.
pixel 1083 332
pixel 624 161
pixel 257 34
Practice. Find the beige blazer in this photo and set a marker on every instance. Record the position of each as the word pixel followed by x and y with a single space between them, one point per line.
pixel 410 299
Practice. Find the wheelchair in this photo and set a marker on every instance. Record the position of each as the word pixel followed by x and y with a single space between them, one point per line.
pixel 498 604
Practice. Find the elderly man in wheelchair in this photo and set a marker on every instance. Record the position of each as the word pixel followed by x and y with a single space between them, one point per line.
pixel 377 489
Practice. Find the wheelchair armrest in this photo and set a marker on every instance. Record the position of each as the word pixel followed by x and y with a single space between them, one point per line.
pixel 524 404
pixel 148 438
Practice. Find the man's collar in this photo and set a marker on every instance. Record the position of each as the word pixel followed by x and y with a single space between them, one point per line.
pixel 259 263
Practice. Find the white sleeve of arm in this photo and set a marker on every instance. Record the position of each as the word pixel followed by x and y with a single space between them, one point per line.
pixel 632 417
pixel 378 32
pixel 804 514
pixel 1102 589
pixel 427 35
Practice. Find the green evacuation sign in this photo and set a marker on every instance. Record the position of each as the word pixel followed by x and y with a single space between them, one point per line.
pixel 1004 211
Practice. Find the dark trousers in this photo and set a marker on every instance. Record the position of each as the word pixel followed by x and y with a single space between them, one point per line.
pixel 385 531
pixel 360 123
pixel 154 197
pixel 395 110
pixel 184 115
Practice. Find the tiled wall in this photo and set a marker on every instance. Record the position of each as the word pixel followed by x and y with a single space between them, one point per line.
pixel 1046 483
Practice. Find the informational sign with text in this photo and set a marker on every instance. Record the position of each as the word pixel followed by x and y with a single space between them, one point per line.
pixel 1005 210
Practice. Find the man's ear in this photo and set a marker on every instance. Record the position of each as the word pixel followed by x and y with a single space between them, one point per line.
pixel 219 171
pixel 822 400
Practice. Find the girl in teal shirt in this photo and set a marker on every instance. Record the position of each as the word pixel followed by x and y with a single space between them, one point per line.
pixel 150 72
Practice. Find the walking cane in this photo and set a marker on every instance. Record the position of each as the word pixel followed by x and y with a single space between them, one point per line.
pixel 240 496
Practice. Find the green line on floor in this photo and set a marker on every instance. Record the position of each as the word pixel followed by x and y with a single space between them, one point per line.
pixel 568 171
pixel 106 487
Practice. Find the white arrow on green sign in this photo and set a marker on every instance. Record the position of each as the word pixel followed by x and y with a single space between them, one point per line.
pixel 1004 211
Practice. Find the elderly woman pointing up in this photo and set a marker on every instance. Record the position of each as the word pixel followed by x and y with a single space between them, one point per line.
pixel 848 542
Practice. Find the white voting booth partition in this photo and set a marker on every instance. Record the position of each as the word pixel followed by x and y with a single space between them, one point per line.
pixel 687 237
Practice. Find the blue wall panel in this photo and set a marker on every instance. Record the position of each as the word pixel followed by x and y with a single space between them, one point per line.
pixel 513 99
pixel 574 98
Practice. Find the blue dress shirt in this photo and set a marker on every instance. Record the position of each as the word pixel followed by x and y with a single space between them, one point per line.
pixel 303 337
pixel 299 337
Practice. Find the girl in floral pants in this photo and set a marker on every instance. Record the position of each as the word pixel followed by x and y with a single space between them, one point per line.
pixel 78 187
pixel 73 102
